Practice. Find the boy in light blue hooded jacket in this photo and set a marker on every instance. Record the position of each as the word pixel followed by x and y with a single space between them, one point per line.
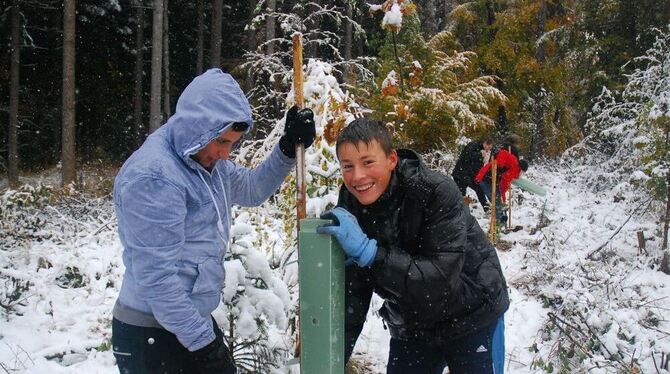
pixel 173 200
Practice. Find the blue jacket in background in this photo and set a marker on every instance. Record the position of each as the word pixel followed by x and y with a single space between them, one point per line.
pixel 173 238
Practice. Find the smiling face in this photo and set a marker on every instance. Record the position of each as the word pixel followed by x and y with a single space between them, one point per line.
pixel 366 169
pixel 218 149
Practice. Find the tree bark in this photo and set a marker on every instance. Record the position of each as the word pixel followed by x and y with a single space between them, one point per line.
pixel 155 118
pixel 430 18
pixel 251 43
pixel 539 111
pixel 215 34
pixel 666 225
pixel 68 151
pixel 348 31
pixel 139 73
pixel 270 24
pixel 311 47
pixel 14 89
pixel 200 9
pixel 166 62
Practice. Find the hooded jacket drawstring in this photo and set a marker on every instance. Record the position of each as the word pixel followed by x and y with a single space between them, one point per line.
pixel 225 202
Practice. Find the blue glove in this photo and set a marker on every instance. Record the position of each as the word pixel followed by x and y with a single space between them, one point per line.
pixel 348 233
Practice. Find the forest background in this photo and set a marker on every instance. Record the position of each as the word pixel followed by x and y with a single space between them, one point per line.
pixel 585 83
pixel 86 95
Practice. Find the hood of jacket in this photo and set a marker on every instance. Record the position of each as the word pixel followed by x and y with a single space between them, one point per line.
pixel 208 106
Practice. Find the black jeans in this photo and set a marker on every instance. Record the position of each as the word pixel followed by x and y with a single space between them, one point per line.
pixel 480 353
pixel 140 350
pixel 463 185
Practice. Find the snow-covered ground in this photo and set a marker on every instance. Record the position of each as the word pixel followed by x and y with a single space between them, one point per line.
pixel 60 271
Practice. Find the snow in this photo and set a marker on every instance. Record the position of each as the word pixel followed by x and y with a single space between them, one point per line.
pixel 390 80
pixel 61 324
pixel 393 17
pixel 575 273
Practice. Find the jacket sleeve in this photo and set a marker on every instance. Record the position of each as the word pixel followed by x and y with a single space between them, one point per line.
pixel 151 220
pixel 430 274
pixel 482 172
pixel 251 187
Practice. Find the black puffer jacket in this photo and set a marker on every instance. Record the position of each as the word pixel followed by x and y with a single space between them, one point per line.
pixel 469 162
pixel 435 268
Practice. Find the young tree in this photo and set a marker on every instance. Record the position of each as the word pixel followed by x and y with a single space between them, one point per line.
pixel 14 89
pixel 68 157
pixel 270 65
pixel 432 91
pixel 155 118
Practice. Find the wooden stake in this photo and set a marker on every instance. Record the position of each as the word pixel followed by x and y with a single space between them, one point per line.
pixel 494 175
pixel 509 199
pixel 299 157
pixel 299 148
pixel 641 242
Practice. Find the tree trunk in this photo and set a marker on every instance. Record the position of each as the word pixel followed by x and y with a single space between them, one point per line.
pixel 311 47
pixel 666 225
pixel 166 62
pixel 537 144
pixel 200 9
pixel 502 120
pixel 665 262
pixel 13 156
pixel 251 42
pixel 155 119
pixel 139 73
pixel 348 41
pixel 68 151
pixel 215 34
pixel 490 17
pixel 270 24
pixel 430 18
pixel 348 31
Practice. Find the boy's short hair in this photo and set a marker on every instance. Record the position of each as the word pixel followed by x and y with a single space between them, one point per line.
pixel 523 164
pixel 366 130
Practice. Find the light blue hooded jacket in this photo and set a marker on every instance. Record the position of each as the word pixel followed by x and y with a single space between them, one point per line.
pixel 174 215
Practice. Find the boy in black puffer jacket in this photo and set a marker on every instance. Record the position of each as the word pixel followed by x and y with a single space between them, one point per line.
pixel 415 244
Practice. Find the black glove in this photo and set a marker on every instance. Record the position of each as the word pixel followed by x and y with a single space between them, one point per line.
pixel 299 129
pixel 214 358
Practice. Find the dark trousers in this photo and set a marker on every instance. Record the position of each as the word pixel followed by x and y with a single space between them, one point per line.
pixel 140 350
pixel 463 185
pixel 501 215
pixel 480 353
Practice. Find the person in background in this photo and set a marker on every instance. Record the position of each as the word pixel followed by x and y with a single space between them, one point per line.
pixel 410 238
pixel 474 155
pixel 173 200
pixel 509 168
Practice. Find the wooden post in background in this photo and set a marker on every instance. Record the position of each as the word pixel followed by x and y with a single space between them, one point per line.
pixel 492 225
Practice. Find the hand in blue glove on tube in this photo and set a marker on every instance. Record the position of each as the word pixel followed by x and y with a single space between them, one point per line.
pixel 348 233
